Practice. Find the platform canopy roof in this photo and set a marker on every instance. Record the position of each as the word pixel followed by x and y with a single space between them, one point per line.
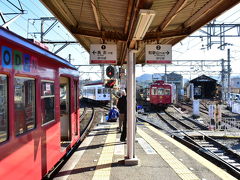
pixel 115 21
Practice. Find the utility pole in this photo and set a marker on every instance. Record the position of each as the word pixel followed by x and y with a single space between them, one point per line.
pixel 103 71
pixel 229 73
pixel 16 9
pixel 43 32
pixel 223 79
pixel 69 58
pixel 165 74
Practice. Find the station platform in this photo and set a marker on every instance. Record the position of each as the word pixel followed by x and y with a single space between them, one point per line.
pixel 101 157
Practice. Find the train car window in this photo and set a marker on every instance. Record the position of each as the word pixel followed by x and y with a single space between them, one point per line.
pixel 47 101
pixel 237 97
pixel 105 91
pixel 99 91
pixel 160 91
pixel 64 105
pixel 3 108
pixel 154 91
pixel 75 95
pixel 167 92
pixel 24 103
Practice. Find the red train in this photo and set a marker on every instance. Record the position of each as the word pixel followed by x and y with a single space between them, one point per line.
pixel 162 94
pixel 39 108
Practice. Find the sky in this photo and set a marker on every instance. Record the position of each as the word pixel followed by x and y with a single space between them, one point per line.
pixel 190 48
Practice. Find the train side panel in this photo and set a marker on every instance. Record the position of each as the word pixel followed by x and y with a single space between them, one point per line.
pixel 30 154
pixel 96 92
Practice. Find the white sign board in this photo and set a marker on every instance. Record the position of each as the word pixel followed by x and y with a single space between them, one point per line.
pixel 158 54
pixel 103 54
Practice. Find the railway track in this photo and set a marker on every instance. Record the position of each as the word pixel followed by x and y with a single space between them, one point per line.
pixel 212 150
pixel 83 113
pixel 224 121
pixel 219 150
pixel 106 107
pixel 188 106
pixel 180 123
pixel 173 123
pixel 86 122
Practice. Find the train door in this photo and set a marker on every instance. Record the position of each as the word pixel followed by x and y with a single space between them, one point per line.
pixel 65 111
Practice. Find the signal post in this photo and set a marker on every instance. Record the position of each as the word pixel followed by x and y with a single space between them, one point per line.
pixel 110 71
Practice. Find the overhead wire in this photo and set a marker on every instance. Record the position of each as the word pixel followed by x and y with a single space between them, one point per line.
pixel 20 26
pixel 222 21
pixel 29 9
pixel 235 12
pixel 39 18
pixel 67 33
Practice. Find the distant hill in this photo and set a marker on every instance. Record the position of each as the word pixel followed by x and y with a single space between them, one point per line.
pixel 144 77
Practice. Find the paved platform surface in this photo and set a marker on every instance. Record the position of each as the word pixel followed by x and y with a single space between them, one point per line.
pixel 160 157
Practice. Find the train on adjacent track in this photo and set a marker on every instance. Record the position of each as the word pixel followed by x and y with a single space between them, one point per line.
pixel 96 92
pixel 160 94
pixel 39 108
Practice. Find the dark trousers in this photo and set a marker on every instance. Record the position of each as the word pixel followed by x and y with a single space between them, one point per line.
pixel 124 130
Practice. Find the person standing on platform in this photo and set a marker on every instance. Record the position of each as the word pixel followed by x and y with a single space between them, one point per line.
pixel 122 106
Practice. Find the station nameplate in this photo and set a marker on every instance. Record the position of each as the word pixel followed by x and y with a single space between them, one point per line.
pixel 158 54
pixel 103 54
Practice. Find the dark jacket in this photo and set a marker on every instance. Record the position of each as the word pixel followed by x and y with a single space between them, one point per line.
pixel 122 105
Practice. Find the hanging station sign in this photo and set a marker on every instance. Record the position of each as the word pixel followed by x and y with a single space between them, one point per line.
pixel 103 54
pixel 158 54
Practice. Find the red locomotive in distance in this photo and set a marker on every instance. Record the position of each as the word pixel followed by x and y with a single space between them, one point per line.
pixel 162 94
pixel 39 108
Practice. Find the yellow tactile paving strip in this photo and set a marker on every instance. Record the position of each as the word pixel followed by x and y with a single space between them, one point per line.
pixel 216 170
pixel 103 168
pixel 181 170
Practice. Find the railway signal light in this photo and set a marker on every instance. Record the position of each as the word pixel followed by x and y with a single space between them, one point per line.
pixel 110 71
pixel 110 83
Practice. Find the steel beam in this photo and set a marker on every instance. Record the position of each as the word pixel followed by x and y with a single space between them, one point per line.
pixel 94 7
pixel 172 14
